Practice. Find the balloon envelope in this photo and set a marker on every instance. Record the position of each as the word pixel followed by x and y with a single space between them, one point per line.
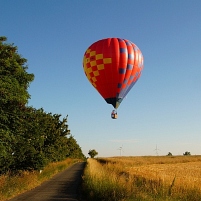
pixel 113 66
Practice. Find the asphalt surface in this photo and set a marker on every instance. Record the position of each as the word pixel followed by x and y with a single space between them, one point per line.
pixel 63 186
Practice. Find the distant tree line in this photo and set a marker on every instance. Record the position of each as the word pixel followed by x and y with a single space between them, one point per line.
pixel 187 153
pixel 29 138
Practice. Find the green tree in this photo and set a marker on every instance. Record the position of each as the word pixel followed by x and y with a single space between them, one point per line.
pixel 6 150
pixel 55 134
pixel 75 150
pixel 28 152
pixel 29 138
pixel 187 153
pixel 169 154
pixel 92 153
pixel 44 140
pixel 14 82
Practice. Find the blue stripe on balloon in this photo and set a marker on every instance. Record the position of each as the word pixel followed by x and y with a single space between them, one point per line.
pixel 123 50
pixel 119 39
pixel 129 66
pixel 130 56
pixel 131 77
pixel 119 85
pixel 128 43
pixel 125 81
pixel 122 71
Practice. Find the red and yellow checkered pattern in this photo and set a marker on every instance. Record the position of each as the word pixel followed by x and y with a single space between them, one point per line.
pixel 93 63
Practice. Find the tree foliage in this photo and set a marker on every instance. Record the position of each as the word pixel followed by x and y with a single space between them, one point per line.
pixel 75 150
pixel 29 138
pixel 92 153
pixel 169 154
pixel 187 153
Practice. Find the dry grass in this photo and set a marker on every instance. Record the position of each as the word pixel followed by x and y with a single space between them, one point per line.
pixel 144 178
pixel 101 184
pixel 12 185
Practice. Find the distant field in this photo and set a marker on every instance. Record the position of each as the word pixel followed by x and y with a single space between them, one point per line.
pixel 144 178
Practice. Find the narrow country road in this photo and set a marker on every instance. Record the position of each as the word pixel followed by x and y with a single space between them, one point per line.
pixel 63 186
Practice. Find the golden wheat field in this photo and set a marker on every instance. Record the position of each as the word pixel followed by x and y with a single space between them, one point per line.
pixel 144 178
pixel 185 169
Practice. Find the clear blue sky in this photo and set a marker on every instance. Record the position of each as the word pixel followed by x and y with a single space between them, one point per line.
pixel 163 108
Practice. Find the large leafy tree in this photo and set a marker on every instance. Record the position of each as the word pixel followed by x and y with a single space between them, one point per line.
pixel 14 82
pixel 29 138
pixel 44 140
pixel 75 150
pixel 55 134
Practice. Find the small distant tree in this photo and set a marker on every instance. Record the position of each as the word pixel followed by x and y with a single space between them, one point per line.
pixel 169 154
pixel 92 153
pixel 187 153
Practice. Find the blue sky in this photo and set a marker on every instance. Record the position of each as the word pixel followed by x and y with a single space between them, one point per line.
pixel 163 108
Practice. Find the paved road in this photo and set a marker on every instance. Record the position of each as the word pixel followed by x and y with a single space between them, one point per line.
pixel 63 186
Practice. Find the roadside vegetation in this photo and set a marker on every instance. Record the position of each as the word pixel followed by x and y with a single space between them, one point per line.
pixel 167 178
pixel 31 139
pixel 12 185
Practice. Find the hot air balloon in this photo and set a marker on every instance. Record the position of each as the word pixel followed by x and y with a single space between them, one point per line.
pixel 113 66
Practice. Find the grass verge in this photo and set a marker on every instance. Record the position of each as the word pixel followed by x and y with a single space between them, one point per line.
pixel 12 185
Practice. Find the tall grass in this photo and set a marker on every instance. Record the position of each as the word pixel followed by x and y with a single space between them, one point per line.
pixel 100 184
pixel 143 178
pixel 12 185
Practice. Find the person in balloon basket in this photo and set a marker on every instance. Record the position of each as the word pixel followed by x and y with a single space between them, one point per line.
pixel 114 114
